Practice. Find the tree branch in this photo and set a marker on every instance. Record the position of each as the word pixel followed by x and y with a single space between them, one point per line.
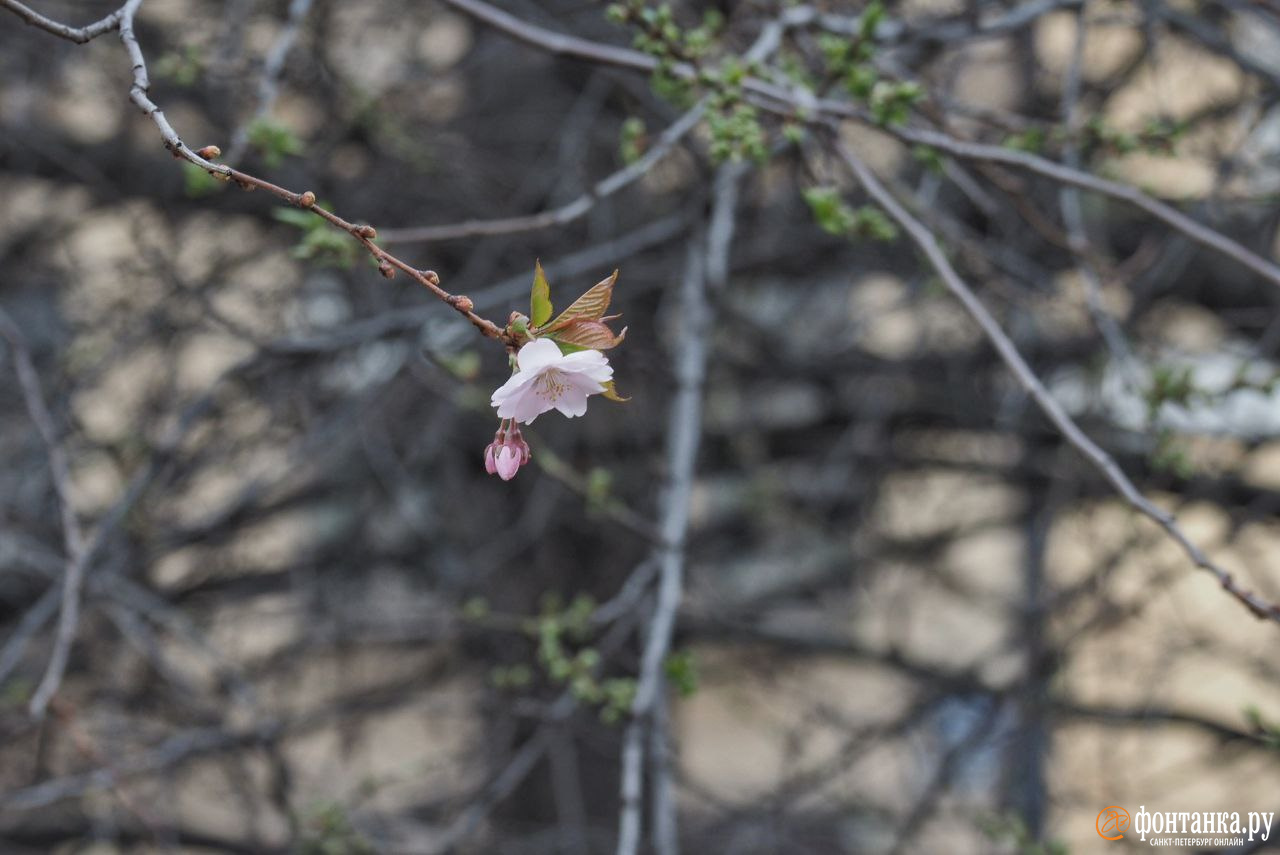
pixel 1008 352
pixel 784 101
pixel 79 35
pixel 568 212
pixel 123 21
pixel 72 533
pixel 684 433
pixel 269 81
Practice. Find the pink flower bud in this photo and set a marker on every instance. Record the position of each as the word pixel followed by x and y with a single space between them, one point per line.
pixel 508 462
pixel 491 458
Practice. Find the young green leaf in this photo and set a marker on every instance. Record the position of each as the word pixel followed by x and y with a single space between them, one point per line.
pixel 540 298
pixel 274 141
pixel 590 306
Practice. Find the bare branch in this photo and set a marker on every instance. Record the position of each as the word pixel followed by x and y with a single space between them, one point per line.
pixel 269 81
pixel 1196 231
pixel 172 752
pixel 1102 461
pixel 783 101
pixel 553 42
pixel 684 433
pixel 566 213
pixel 365 234
pixel 1073 215
pixel 72 534
pixel 79 35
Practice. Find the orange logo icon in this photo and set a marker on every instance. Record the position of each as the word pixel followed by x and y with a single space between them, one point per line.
pixel 1111 822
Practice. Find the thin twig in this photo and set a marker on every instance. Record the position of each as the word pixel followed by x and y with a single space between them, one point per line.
pixel 123 21
pixel 1170 216
pixel 79 35
pixel 33 620
pixel 72 533
pixel 1072 214
pixel 269 81
pixel 1008 352
pixel 38 410
pixel 173 751
pixel 556 43
pixel 365 235
pixel 791 102
pixel 568 212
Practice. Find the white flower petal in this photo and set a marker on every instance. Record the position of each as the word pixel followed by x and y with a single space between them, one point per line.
pixel 585 357
pixel 591 363
pixel 527 406
pixel 588 385
pixel 573 402
pixel 537 354
pixel 518 381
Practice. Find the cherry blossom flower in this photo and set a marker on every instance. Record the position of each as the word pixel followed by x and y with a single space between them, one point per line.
pixel 548 380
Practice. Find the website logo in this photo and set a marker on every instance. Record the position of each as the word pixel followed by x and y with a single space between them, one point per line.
pixel 1207 829
pixel 1111 822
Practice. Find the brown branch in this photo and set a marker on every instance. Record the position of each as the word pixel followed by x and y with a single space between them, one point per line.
pixel 122 20
pixel 365 235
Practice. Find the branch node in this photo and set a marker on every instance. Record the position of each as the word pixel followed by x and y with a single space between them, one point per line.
pixel 307 199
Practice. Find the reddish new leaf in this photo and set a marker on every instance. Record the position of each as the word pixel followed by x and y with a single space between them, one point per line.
pixel 592 335
pixel 590 306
